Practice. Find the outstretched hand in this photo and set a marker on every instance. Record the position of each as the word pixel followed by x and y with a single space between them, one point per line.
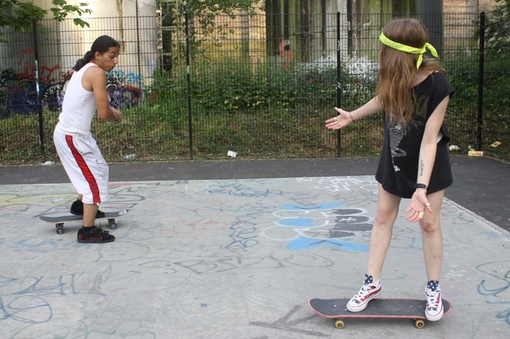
pixel 341 120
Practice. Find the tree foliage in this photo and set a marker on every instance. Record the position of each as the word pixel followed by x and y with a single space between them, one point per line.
pixel 497 33
pixel 205 11
pixel 215 6
pixel 20 15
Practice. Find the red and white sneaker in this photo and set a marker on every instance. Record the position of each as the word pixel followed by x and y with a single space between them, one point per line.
pixel 366 293
pixel 434 307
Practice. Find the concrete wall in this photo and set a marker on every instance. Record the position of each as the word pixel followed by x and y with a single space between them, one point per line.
pixel 455 27
pixel 468 6
pixel 101 8
pixel 137 46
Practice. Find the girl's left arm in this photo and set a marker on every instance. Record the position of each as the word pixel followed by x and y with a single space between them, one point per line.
pixel 428 149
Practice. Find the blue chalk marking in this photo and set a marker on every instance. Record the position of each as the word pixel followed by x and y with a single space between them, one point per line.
pixel 303 243
pixel 328 206
pixel 297 222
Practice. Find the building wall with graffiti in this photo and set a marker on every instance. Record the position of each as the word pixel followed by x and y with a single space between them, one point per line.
pixel 56 46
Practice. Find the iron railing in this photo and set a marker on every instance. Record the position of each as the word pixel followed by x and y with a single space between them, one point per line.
pixel 191 92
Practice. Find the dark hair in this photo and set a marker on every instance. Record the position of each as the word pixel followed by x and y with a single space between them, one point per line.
pixel 101 45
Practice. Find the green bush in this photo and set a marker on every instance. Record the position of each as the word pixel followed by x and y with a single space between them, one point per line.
pixel 496 84
pixel 231 85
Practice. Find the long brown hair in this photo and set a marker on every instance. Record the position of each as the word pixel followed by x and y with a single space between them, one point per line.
pixel 397 70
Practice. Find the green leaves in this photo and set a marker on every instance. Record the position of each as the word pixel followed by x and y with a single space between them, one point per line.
pixel 497 34
pixel 20 15
pixel 61 9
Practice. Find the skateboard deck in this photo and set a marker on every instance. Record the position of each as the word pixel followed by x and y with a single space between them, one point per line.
pixel 377 308
pixel 59 219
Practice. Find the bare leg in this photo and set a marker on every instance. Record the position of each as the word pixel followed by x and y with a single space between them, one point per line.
pixel 432 236
pixel 89 214
pixel 387 211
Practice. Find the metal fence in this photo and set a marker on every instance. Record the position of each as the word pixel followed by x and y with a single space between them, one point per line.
pixel 244 87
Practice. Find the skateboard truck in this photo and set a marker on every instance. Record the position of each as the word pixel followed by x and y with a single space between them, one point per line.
pixel 60 225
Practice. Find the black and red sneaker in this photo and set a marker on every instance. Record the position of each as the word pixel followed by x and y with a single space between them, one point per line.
pixel 94 235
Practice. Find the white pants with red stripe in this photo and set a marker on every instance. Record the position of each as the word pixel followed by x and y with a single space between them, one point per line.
pixel 84 164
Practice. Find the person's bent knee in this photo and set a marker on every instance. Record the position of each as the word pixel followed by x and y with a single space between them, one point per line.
pixel 386 216
pixel 429 226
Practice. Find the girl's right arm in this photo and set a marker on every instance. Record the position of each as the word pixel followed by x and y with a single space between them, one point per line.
pixel 344 118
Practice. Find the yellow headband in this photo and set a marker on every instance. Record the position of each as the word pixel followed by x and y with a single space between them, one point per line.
pixel 408 49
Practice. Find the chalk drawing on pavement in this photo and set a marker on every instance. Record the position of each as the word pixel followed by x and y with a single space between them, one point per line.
pixel 323 225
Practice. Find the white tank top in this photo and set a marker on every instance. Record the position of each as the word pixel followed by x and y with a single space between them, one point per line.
pixel 78 107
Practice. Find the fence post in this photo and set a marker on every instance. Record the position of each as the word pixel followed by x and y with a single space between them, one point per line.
pixel 139 77
pixel 37 91
pixel 338 84
pixel 481 53
pixel 188 76
pixel 430 12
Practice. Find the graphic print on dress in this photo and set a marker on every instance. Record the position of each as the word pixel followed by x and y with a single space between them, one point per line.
pixel 397 132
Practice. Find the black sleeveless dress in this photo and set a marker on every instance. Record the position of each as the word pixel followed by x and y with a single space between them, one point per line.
pixel 398 164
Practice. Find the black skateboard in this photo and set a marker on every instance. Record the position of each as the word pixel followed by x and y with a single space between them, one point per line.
pixel 59 219
pixel 377 308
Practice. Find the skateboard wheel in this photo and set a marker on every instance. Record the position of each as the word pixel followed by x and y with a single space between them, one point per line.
pixel 112 224
pixel 419 324
pixel 59 228
pixel 339 323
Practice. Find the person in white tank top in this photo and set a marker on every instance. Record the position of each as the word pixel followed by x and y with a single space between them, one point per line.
pixel 80 156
